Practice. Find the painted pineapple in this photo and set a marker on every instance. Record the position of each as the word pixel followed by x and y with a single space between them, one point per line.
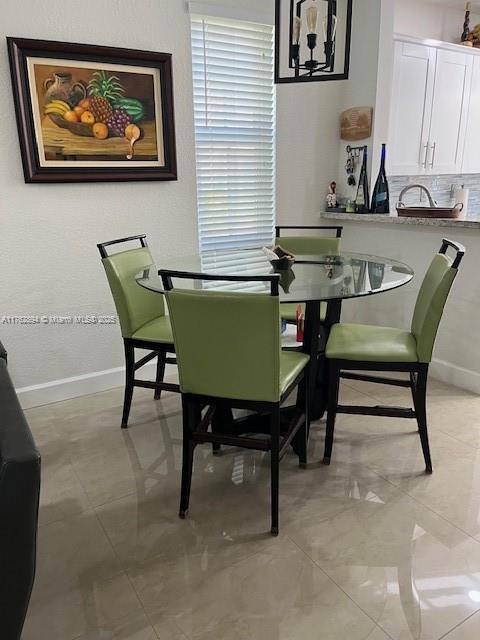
pixel 101 108
pixel 104 89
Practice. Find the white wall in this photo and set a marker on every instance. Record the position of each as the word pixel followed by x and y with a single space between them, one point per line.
pixel 48 256
pixel 431 20
pixel 307 148
pixel 361 88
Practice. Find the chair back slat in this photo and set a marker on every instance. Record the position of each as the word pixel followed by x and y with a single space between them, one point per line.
pixel 309 244
pixel 135 305
pixel 432 298
pixel 227 343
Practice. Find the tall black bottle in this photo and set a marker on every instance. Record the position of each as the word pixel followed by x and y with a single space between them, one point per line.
pixel 362 201
pixel 381 192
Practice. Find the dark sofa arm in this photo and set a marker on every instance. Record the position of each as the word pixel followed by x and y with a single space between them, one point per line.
pixel 19 497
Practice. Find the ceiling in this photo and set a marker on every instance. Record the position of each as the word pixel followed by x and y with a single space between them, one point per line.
pixel 459 4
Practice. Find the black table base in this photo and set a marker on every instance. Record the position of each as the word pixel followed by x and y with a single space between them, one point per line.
pixel 315 340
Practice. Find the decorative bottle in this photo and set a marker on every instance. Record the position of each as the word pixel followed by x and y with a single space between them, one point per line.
pixel 362 201
pixel 381 193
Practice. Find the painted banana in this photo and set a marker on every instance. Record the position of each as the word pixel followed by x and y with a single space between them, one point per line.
pixel 54 111
pixel 57 106
pixel 61 103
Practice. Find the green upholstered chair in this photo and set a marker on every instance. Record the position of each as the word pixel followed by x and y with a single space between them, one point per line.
pixel 355 347
pixel 306 245
pixel 229 356
pixel 142 317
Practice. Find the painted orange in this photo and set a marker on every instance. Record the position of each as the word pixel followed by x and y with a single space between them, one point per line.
pixel 87 117
pixel 70 116
pixel 100 130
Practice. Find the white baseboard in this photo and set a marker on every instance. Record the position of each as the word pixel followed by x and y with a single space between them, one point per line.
pixel 57 390
pixel 455 375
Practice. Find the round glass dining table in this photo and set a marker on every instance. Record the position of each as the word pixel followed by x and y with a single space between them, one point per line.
pixel 311 280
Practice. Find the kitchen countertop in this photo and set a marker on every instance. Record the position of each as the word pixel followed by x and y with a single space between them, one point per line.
pixel 469 223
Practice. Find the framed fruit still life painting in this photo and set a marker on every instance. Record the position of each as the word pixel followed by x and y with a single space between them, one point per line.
pixel 88 113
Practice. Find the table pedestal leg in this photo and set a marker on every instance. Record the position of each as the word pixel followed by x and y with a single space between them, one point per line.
pixel 314 344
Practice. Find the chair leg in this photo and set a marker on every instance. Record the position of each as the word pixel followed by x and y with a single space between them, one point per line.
pixel 413 387
pixel 302 442
pixel 188 451
pixel 129 378
pixel 420 399
pixel 160 372
pixel 333 388
pixel 275 466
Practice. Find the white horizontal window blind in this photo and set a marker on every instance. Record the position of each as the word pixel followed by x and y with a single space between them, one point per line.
pixel 234 132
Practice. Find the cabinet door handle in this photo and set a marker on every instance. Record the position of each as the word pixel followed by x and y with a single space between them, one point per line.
pixel 424 163
pixel 434 149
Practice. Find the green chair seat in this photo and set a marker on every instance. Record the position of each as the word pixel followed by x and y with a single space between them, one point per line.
pixel 288 311
pixel 366 343
pixel 157 330
pixel 292 364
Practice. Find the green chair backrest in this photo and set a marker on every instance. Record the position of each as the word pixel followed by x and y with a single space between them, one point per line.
pixel 135 305
pixel 430 303
pixel 309 245
pixel 227 344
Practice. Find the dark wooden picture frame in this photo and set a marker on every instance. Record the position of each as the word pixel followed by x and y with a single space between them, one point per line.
pixel 282 49
pixel 22 50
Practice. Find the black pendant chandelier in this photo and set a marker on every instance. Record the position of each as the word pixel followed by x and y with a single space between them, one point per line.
pixel 312 40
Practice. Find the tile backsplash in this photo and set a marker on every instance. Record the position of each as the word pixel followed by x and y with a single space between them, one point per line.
pixel 441 189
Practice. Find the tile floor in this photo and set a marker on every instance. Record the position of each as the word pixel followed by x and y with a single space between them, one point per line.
pixel 370 548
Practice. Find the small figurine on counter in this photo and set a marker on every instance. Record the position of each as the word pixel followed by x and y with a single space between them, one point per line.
pixel 332 196
pixel 473 38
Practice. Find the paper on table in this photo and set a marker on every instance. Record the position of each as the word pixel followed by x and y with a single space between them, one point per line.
pixel 276 253
pixel 271 255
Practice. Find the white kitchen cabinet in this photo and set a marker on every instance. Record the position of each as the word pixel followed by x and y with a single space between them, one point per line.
pixel 453 78
pixel 471 158
pixel 430 108
pixel 413 85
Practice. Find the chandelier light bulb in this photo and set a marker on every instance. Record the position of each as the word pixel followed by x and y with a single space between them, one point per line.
pixel 297 25
pixel 312 16
pixel 334 28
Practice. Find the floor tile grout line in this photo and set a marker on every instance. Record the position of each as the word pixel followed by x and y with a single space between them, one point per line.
pixel 452 524
pixel 126 574
pixel 419 501
pixel 363 393
pixel 113 500
pixel 466 444
pixel 337 585
pixel 81 484
pixel 459 624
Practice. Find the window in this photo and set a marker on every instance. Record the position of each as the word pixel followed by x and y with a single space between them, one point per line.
pixel 234 105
